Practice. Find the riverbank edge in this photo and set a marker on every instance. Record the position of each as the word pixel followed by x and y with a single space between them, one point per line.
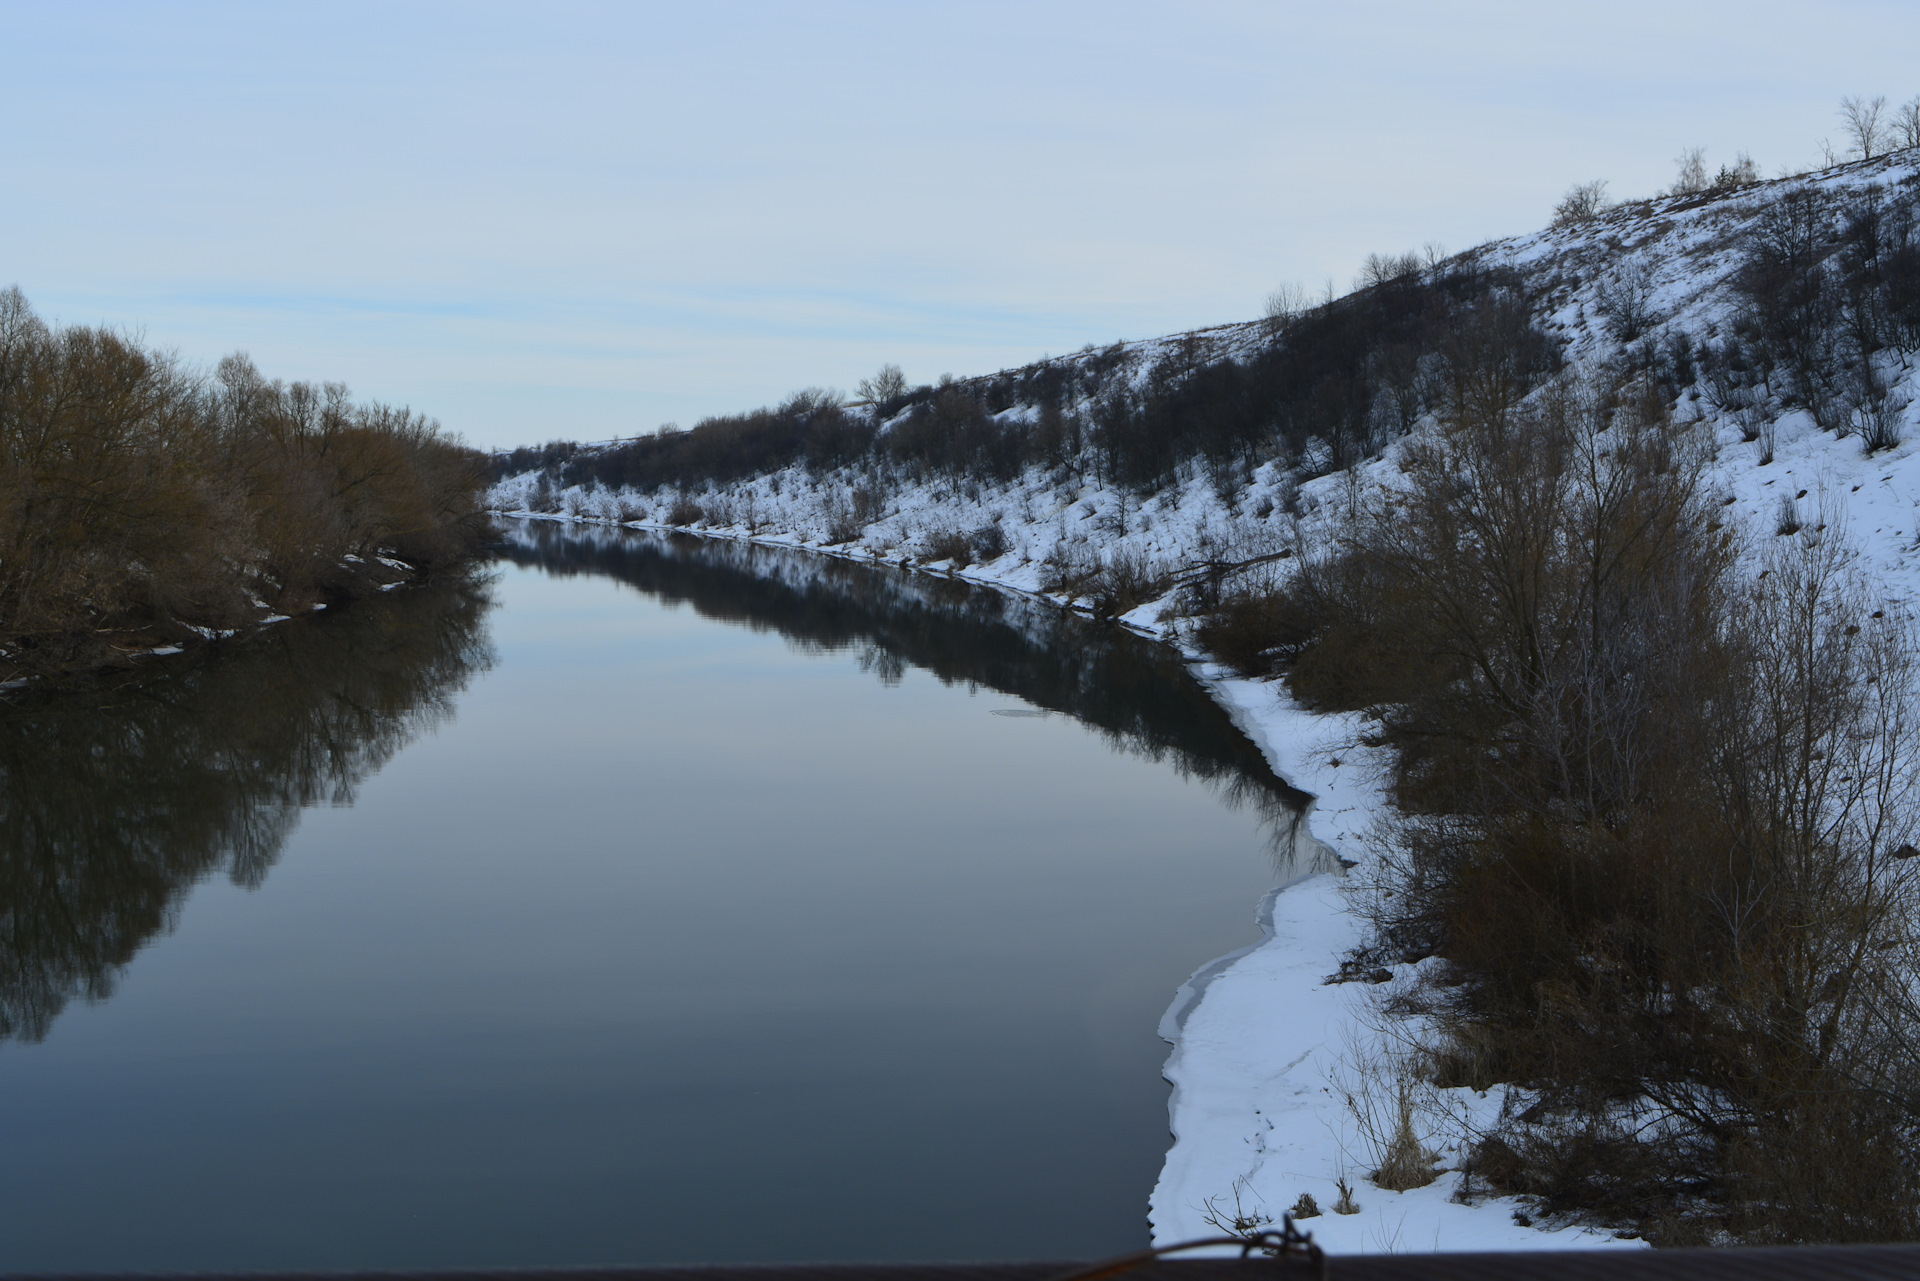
pixel 356 578
pixel 1261 1042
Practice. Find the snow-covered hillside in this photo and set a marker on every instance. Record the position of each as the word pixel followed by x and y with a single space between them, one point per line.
pixel 1667 264
pixel 1274 1069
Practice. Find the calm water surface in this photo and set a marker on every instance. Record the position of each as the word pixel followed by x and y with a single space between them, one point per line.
pixel 644 900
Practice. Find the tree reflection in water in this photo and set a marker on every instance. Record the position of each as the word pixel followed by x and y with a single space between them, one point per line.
pixel 119 793
pixel 1134 692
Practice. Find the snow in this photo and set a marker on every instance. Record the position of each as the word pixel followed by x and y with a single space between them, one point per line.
pixel 1265 1049
pixel 1264 1044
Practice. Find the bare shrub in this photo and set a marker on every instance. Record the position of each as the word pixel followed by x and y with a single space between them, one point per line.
pixel 867 503
pixel 1381 1094
pixel 947 544
pixel 1582 203
pixel 989 542
pixel 842 525
pixel 1576 1161
pixel 1126 581
pixel 1404 1162
pixel 1655 819
pixel 1346 1204
pixel 1880 416
pixel 687 512
pixel 1121 582
pixel 1066 568
pixel 1242 1220
pixel 1625 299
pixel 1252 621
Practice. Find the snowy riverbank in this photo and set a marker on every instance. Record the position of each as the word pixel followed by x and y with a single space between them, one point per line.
pixel 1266 1050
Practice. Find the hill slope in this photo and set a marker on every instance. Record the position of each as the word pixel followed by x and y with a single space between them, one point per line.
pixel 1159 454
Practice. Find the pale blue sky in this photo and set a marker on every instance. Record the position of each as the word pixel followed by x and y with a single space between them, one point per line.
pixel 585 220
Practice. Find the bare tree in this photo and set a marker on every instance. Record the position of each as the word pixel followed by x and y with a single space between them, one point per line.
pixel 1862 119
pixel 1692 179
pixel 1286 305
pixel 1906 124
pixel 884 387
pixel 1384 269
pixel 811 400
pixel 1582 201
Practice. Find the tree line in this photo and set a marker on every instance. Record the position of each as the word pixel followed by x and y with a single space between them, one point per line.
pixel 142 501
pixel 1332 384
pixel 1870 128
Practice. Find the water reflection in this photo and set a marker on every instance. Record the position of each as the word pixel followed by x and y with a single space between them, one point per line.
pixel 680 945
pixel 120 793
pixel 1133 691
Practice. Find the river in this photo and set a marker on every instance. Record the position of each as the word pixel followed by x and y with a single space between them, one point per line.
pixel 639 899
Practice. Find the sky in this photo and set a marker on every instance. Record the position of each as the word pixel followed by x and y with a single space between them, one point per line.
pixel 581 221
